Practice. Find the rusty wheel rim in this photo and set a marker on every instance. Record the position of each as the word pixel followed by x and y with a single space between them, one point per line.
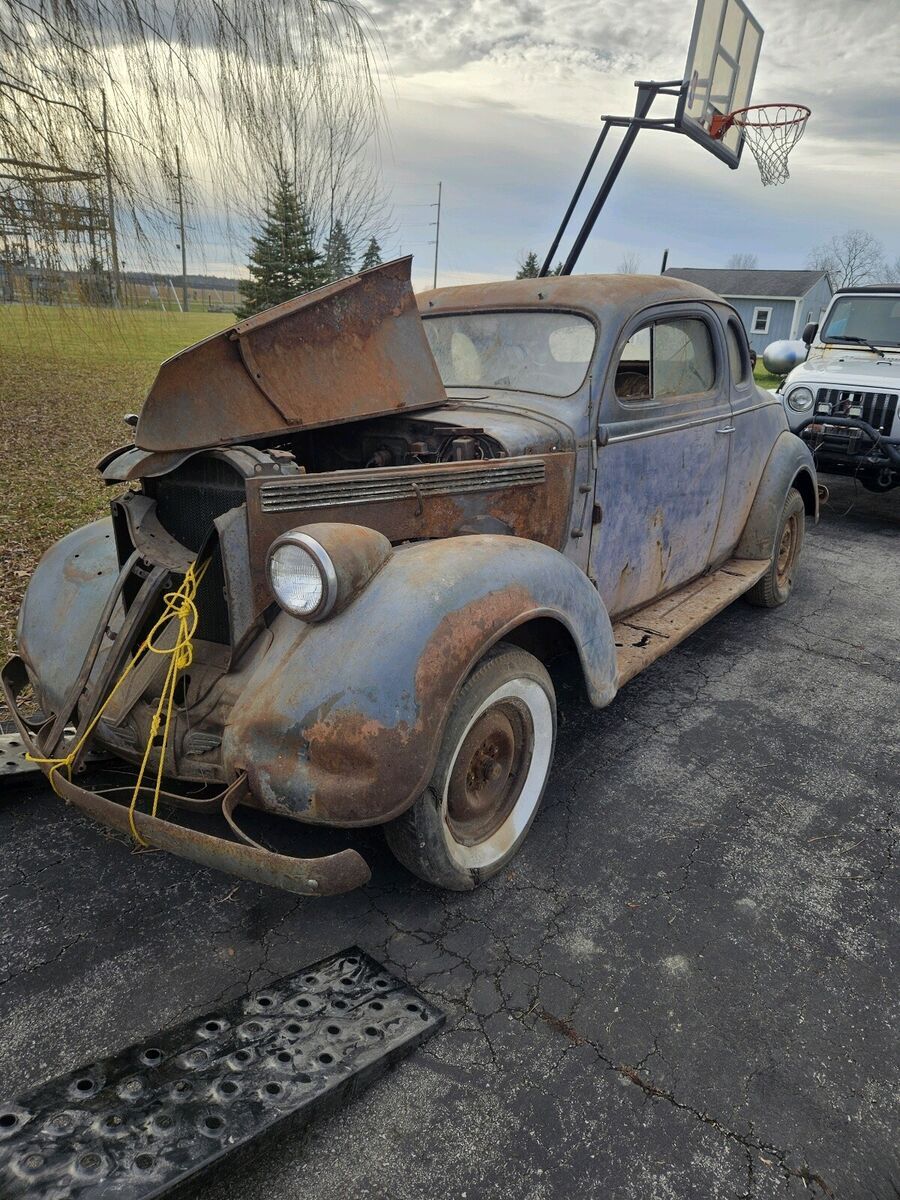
pixel 787 551
pixel 489 771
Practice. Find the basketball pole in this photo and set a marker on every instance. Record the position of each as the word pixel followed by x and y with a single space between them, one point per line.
pixel 545 269
pixel 647 93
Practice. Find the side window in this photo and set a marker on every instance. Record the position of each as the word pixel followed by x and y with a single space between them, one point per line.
pixel 633 371
pixel 683 361
pixel 737 353
pixel 668 358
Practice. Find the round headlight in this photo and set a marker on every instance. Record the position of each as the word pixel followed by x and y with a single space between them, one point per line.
pixel 302 576
pixel 800 399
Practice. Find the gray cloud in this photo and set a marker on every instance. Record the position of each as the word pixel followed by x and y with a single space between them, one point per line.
pixel 840 56
pixel 500 100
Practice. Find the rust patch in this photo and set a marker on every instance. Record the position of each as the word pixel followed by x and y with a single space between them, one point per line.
pixel 462 634
pixel 368 761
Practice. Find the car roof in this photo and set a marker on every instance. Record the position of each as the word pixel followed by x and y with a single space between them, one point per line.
pixel 884 289
pixel 602 296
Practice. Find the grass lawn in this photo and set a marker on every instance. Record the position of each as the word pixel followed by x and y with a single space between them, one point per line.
pixel 763 378
pixel 67 377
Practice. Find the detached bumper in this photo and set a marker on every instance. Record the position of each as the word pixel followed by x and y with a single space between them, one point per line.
pixel 246 859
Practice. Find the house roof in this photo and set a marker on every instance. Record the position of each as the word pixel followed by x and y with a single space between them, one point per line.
pixel 768 284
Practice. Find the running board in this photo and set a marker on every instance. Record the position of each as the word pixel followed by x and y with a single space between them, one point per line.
pixel 147 1120
pixel 648 634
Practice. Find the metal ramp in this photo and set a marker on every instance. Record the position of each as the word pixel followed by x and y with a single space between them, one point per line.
pixel 160 1113
pixel 14 764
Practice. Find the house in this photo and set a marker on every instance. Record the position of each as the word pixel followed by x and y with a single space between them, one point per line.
pixel 772 304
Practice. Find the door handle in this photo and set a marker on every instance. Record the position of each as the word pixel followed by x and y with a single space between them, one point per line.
pixel 725 429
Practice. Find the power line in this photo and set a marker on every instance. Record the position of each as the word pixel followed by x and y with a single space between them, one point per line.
pixel 437 231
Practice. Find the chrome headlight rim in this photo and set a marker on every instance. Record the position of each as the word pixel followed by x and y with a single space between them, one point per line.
pixel 324 565
pixel 801 399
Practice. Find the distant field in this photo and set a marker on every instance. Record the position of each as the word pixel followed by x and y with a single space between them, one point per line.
pixel 67 377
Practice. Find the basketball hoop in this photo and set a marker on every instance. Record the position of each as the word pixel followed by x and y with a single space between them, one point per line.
pixel 771 131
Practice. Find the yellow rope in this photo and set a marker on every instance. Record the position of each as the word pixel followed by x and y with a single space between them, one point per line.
pixel 180 606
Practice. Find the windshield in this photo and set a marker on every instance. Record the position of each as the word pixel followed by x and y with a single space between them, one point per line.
pixel 544 352
pixel 874 319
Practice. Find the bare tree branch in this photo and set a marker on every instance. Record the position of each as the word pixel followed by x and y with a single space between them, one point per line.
pixel 630 263
pixel 742 262
pixel 849 259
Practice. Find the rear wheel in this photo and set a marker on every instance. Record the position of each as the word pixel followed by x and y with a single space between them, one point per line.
pixel 490 776
pixel 778 582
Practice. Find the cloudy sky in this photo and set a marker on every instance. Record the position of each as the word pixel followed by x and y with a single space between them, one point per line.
pixel 501 99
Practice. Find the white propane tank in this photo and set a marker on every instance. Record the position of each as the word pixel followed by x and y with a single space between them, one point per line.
pixel 781 357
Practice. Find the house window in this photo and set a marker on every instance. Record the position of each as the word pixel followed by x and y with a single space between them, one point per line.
pixel 761 318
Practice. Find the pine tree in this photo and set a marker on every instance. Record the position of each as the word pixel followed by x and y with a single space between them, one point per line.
pixel 372 256
pixel 283 259
pixel 338 252
pixel 529 268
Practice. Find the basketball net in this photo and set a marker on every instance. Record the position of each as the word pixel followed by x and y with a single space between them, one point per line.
pixel 771 131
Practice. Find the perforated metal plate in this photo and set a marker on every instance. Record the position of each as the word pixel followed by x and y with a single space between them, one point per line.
pixel 150 1118
pixel 12 756
pixel 13 762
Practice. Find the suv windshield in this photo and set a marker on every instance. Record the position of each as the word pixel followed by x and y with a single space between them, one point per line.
pixel 874 319
pixel 544 352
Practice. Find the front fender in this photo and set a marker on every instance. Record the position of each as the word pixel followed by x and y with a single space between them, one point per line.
pixel 341 722
pixel 63 602
pixel 790 464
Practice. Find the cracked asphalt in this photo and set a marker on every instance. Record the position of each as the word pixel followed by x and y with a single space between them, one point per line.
pixel 685 986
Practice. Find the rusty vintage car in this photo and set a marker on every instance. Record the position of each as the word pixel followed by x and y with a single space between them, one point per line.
pixel 385 519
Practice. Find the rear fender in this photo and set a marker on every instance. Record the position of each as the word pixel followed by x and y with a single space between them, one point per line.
pixel 789 465
pixel 341 722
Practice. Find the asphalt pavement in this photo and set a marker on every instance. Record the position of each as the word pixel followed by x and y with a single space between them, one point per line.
pixel 684 986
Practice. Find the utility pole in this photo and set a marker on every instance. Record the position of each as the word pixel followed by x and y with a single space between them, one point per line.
pixel 184 288
pixel 437 232
pixel 113 245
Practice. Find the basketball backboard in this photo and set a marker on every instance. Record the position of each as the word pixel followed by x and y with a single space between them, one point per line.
pixel 721 65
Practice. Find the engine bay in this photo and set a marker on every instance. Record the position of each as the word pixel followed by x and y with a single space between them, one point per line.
pixel 383 442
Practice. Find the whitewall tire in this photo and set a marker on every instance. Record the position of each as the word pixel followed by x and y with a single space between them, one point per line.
pixel 490 777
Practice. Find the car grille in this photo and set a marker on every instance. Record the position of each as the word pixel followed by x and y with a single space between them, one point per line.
pixel 188 500
pixel 877 408
pixel 378 486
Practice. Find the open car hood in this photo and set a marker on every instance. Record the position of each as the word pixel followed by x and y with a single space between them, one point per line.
pixel 352 349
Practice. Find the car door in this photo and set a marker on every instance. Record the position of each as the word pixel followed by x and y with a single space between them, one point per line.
pixel 661 475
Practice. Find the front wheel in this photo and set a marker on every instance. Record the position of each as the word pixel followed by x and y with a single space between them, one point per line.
pixel 490 775
pixel 886 481
pixel 778 582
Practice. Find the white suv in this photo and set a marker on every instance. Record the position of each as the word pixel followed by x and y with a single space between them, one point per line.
pixel 843 400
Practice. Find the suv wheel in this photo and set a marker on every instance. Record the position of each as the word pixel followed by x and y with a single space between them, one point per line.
pixel 778 582
pixel 490 775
